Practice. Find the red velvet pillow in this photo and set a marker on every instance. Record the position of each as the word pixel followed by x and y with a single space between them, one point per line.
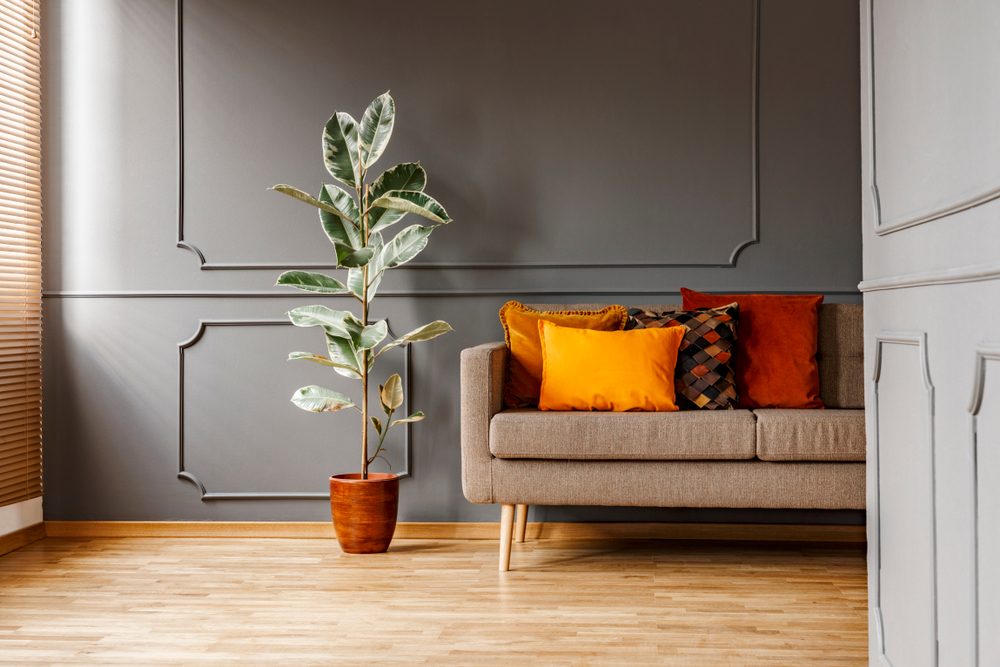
pixel 776 341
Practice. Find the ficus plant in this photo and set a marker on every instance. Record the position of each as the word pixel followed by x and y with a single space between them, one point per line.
pixel 357 221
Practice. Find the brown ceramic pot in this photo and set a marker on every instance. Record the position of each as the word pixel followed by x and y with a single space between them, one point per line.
pixel 364 511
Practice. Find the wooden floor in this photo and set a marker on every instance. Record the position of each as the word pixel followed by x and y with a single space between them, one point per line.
pixel 300 601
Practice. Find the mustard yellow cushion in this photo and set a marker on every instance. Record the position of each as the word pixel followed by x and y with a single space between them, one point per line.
pixel 608 370
pixel 520 328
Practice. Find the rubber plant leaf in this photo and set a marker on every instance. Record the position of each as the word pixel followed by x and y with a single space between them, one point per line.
pixel 340 149
pixel 376 128
pixel 320 399
pixel 409 176
pixel 308 281
pixel 418 203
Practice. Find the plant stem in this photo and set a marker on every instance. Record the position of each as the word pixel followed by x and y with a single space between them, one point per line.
pixel 363 200
pixel 381 438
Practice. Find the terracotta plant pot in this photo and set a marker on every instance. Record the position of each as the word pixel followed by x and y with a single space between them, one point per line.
pixel 364 511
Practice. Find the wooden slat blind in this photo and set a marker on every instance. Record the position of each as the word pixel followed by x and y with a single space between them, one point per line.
pixel 20 253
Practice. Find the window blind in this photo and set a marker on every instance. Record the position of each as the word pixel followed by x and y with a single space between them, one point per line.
pixel 20 253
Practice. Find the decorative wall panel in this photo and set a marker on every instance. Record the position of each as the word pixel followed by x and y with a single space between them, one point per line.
pixel 985 411
pixel 261 440
pixel 559 154
pixel 928 90
pixel 905 534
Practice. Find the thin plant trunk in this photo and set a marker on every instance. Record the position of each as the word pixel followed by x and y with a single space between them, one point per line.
pixel 362 200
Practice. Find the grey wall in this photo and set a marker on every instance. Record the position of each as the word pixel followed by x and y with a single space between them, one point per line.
pixel 587 151
pixel 932 319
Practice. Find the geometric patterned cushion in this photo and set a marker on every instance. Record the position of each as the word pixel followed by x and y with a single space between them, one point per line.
pixel 704 377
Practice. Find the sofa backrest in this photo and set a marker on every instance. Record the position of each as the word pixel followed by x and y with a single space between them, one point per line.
pixel 840 355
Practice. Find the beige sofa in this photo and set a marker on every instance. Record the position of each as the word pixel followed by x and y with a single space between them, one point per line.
pixel 731 459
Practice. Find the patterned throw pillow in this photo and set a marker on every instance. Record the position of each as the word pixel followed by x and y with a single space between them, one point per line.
pixel 704 375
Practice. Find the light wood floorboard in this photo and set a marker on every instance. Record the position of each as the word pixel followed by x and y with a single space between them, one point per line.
pixel 467 530
pixel 301 601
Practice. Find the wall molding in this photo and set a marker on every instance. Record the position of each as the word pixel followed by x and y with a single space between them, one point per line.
pixel 983 355
pixel 461 530
pixel 421 293
pixel 962 274
pixel 185 474
pixel 883 227
pixel 205 264
pixel 916 339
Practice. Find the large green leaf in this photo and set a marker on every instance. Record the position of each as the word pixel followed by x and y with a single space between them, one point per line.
pixel 415 417
pixel 404 247
pixel 420 334
pixel 408 176
pixel 373 284
pixel 373 334
pixel 376 128
pixel 334 321
pixel 343 353
pixel 312 282
pixel 392 393
pixel 417 203
pixel 345 225
pixel 320 359
pixel 356 282
pixel 353 257
pixel 320 399
pixel 354 329
pixel 340 149
pixel 374 275
pixel 295 193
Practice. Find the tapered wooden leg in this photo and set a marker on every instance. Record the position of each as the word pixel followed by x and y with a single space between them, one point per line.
pixel 520 522
pixel 506 533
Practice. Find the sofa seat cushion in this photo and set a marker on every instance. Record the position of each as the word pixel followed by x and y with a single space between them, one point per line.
pixel 623 436
pixel 810 435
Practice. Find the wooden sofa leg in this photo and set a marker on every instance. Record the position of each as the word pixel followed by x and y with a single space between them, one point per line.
pixel 506 533
pixel 520 522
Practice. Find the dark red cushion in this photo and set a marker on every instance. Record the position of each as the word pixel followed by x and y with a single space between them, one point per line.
pixel 776 341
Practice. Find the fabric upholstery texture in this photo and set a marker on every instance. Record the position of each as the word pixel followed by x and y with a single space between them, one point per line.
pixel 762 484
pixel 482 373
pixel 584 369
pixel 520 325
pixel 810 435
pixel 640 436
pixel 704 377
pixel 776 355
pixel 841 355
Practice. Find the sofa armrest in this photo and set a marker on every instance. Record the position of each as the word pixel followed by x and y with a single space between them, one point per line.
pixel 482 379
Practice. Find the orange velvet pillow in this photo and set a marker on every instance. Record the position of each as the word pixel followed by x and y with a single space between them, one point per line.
pixel 608 370
pixel 776 340
pixel 520 329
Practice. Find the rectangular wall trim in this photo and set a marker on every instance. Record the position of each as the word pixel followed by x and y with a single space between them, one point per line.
pixel 278 294
pixel 205 264
pixel 957 205
pixel 916 339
